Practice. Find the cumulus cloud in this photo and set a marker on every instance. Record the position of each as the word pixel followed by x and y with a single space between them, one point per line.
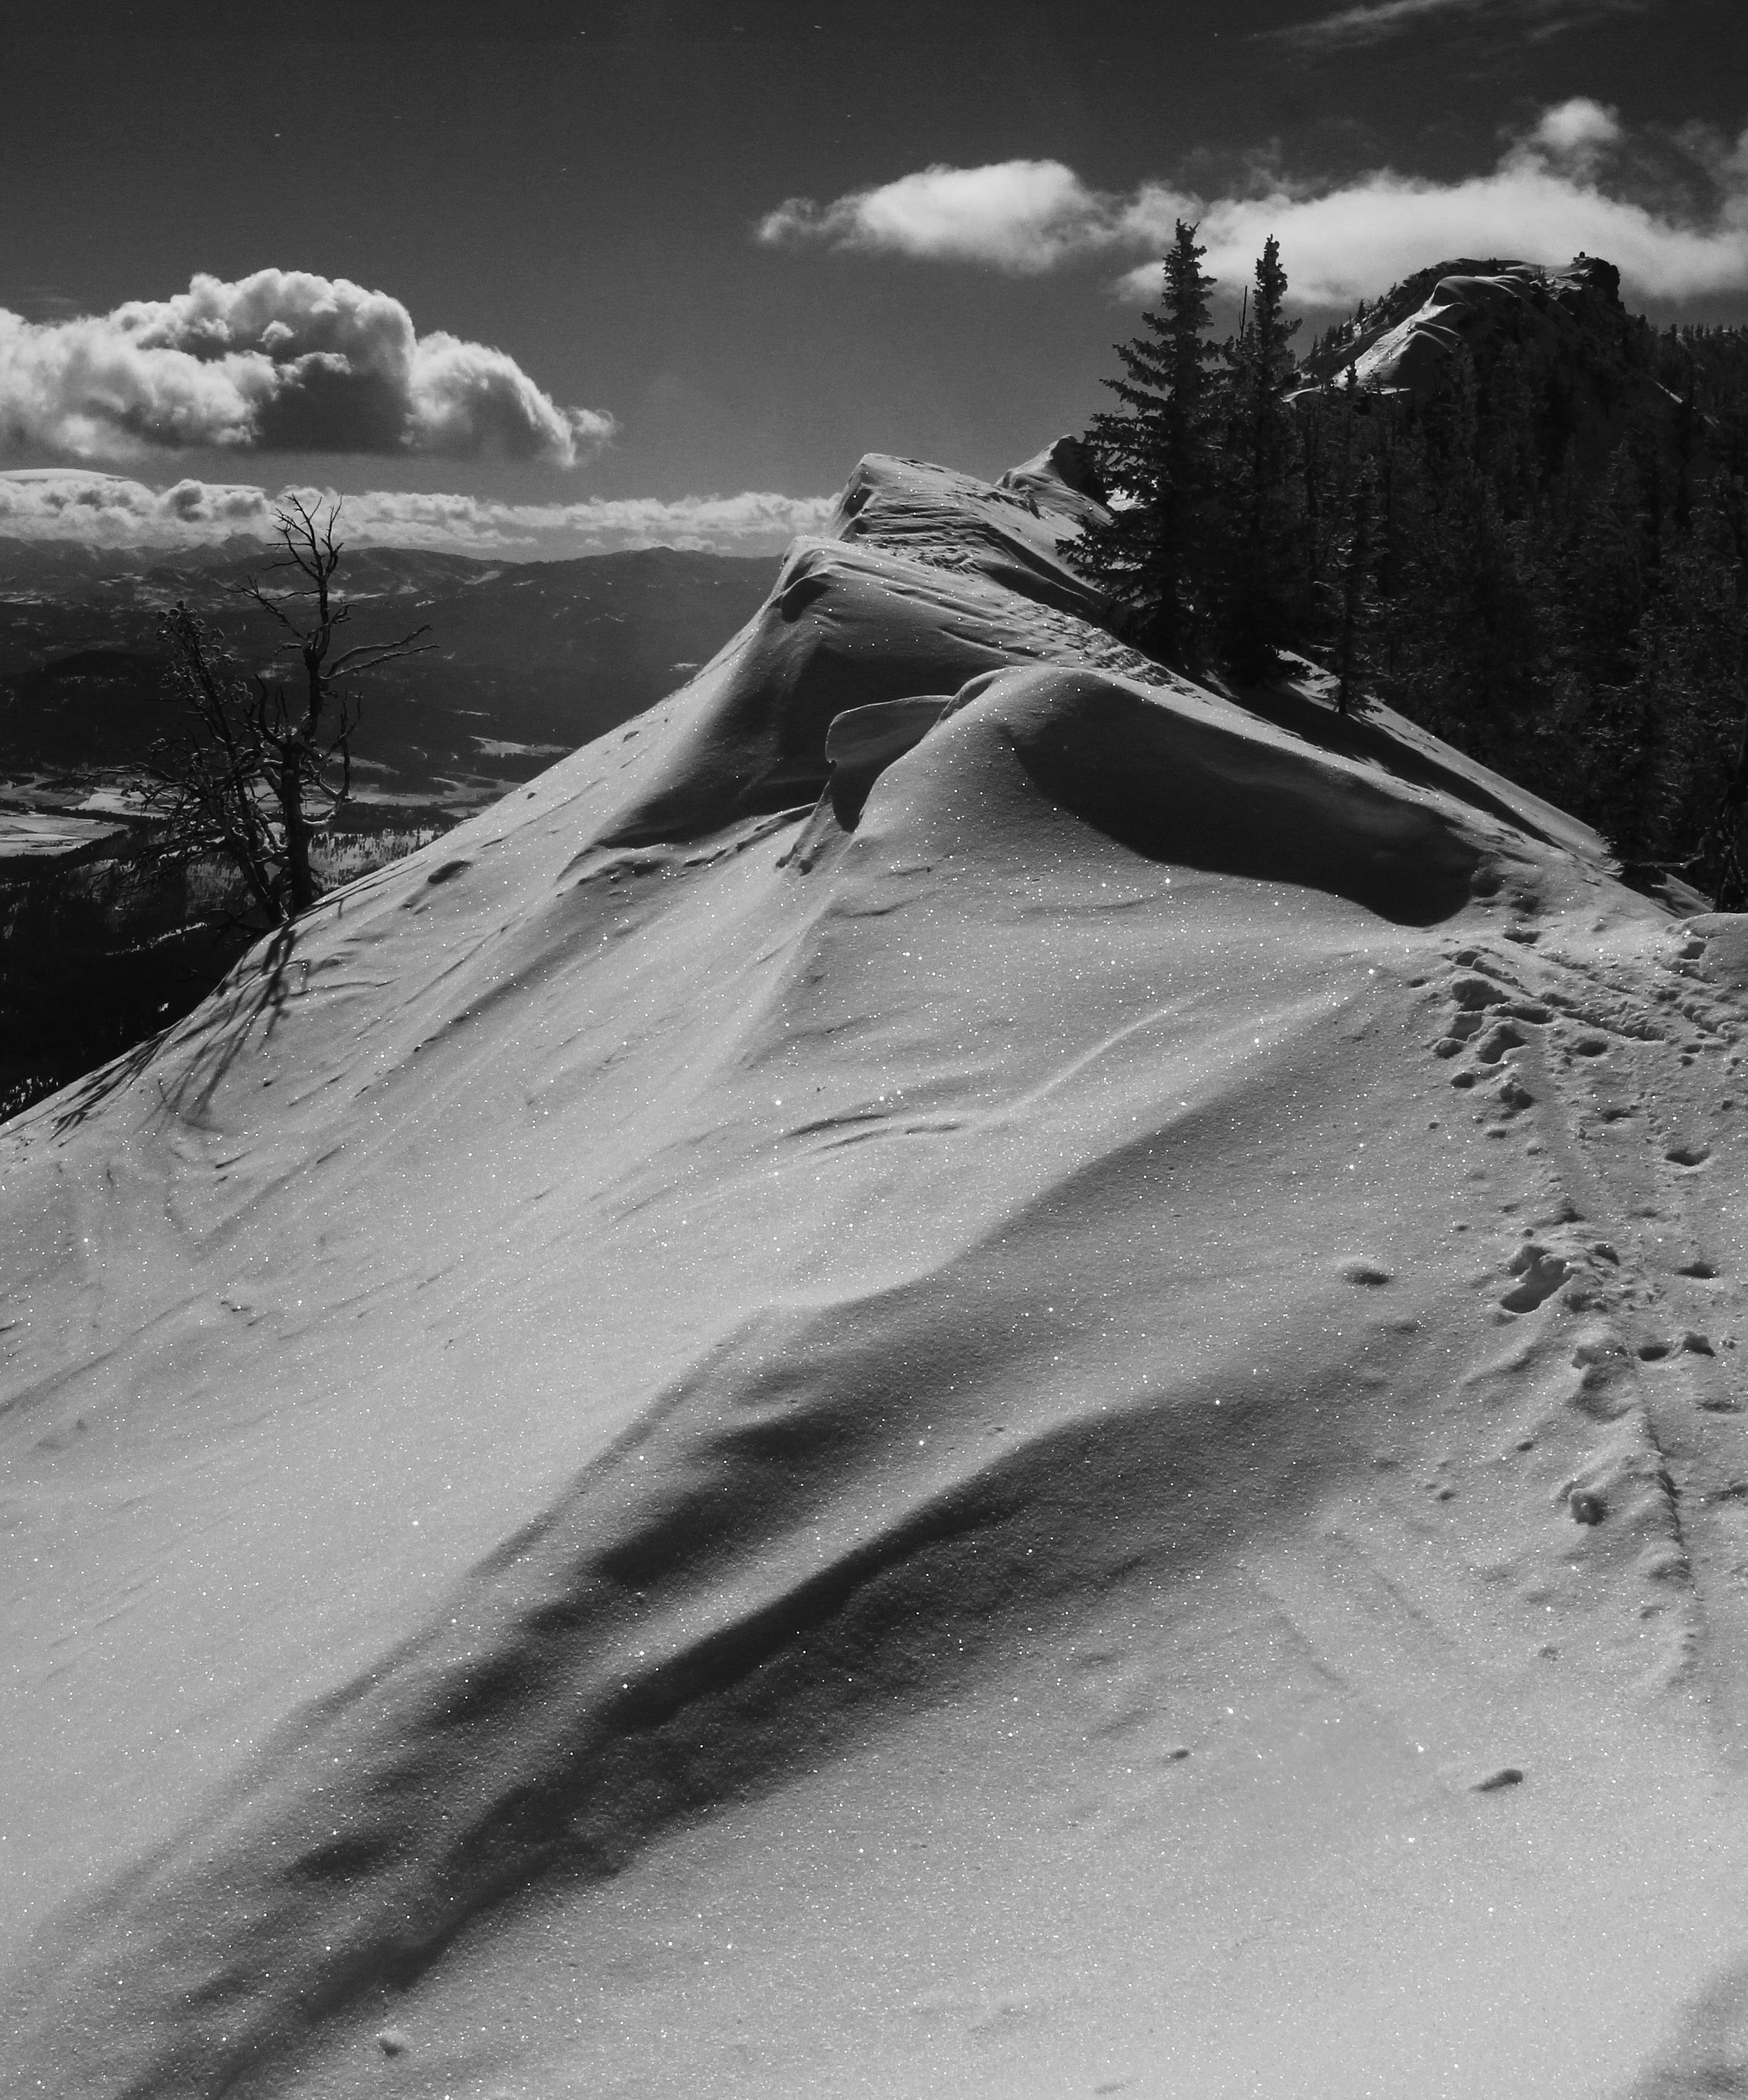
pixel 1577 130
pixel 1018 215
pixel 281 361
pixel 75 505
pixel 1549 197
pixel 1564 186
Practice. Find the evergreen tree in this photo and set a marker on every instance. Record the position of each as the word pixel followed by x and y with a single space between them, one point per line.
pixel 1154 457
pixel 1505 439
pixel 1468 635
pixel 1261 607
pixel 1611 706
pixel 1579 621
pixel 1722 859
pixel 1356 606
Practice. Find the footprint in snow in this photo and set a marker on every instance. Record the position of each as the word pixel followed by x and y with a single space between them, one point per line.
pixel 1542 1274
pixel 1498 1040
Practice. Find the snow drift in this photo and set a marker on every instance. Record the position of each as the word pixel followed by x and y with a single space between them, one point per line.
pixel 956 1369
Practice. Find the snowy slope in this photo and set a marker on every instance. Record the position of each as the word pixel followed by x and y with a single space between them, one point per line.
pixel 1083 1441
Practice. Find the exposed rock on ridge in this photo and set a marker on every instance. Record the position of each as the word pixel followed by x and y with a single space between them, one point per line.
pixel 1567 328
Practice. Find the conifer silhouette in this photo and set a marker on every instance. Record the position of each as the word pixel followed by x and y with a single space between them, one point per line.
pixel 1155 457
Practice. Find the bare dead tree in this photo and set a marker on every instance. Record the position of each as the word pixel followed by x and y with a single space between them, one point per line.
pixel 257 770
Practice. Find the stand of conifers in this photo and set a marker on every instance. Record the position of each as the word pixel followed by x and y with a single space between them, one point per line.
pixel 1573 613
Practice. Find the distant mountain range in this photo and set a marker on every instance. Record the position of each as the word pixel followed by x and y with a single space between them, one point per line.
pixel 530 659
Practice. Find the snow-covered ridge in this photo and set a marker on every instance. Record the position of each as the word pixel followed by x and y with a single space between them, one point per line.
pixel 1065 1422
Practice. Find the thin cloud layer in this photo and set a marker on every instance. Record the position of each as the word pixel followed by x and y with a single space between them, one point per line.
pixel 74 506
pixel 281 361
pixel 1578 131
pixel 1372 21
pixel 1564 187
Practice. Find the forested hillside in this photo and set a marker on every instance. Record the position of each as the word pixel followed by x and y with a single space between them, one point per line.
pixel 1493 499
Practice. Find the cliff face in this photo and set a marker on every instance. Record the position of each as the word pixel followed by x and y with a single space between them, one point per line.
pixel 951 1370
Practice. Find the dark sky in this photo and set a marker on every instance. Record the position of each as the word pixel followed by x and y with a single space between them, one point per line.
pixel 578 185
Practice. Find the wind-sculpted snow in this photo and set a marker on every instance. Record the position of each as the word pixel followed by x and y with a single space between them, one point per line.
pixel 1011 530
pixel 1082 1438
pixel 1190 788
